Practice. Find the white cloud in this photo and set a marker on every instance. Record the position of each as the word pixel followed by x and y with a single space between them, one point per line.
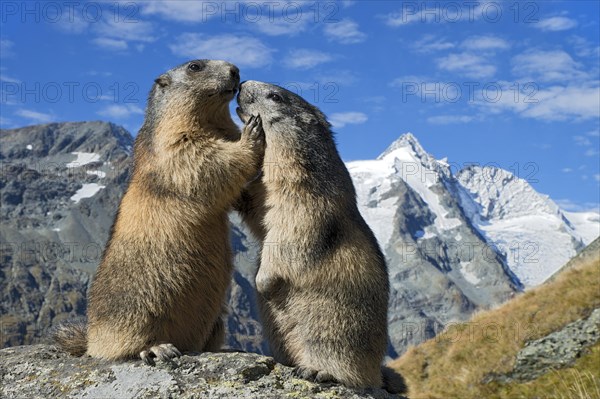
pixel 555 24
pixel 8 79
pixel 110 44
pixel 75 23
pixel 265 17
pixel 341 119
pixel 547 66
pixel 597 177
pixel 37 117
pixel 583 47
pixel 467 64
pixel 567 170
pixel 561 103
pixel 118 111
pixel 336 77
pixel 582 140
pixel 184 10
pixel 280 26
pixel 413 12
pixel 449 119
pixel 140 31
pixel 555 103
pixel 481 43
pixel 429 44
pixel 244 51
pixel 570 205
pixel 345 31
pixel 306 59
pixel 109 32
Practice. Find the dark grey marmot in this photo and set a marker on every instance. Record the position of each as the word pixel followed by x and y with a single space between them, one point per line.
pixel 322 281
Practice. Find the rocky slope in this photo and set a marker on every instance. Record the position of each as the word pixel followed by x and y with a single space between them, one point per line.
pixel 556 350
pixel 41 371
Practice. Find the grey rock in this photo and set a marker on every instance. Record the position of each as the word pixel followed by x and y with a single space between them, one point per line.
pixel 556 350
pixel 41 371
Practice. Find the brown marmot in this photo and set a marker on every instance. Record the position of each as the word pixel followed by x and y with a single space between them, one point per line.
pixel 322 281
pixel 161 284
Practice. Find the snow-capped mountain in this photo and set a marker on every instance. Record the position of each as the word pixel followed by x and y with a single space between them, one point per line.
pixel 528 231
pixel 536 237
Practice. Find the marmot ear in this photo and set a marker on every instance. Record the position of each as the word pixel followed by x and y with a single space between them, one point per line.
pixel 163 80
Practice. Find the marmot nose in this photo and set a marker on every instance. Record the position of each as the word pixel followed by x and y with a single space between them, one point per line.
pixel 234 72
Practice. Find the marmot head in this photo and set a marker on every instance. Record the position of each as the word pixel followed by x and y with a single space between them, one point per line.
pixel 187 104
pixel 199 83
pixel 187 98
pixel 287 118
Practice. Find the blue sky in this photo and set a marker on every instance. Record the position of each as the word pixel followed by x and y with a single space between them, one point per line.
pixel 514 84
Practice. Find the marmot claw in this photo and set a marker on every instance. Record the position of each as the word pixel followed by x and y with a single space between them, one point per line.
pixel 309 374
pixel 164 352
pixel 254 129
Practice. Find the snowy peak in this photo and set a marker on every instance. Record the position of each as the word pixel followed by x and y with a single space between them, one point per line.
pixel 377 182
pixel 502 195
pixel 406 142
pixel 526 227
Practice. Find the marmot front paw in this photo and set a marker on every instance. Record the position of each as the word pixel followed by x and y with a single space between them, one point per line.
pixel 306 373
pixel 254 133
pixel 164 352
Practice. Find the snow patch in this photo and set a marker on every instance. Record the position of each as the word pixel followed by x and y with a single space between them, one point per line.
pixel 468 273
pixel 86 191
pixel 83 158
pixel 370 181
pixel 98 173
pixel 29 147
pixel 586 224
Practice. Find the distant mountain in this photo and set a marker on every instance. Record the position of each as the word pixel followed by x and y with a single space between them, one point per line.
pixel 532 232
pixel 61 184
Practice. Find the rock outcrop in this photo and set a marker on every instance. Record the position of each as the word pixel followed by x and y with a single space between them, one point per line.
pixel 559 349
pixel 41 371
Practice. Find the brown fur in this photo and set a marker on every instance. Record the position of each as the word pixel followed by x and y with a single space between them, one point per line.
pixel 322 281
pixel 168 262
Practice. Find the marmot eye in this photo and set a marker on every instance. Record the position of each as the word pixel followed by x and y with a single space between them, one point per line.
pixel 275 97
pixel 194 67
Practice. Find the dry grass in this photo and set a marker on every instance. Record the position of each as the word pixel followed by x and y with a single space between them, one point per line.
pixel 455 363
